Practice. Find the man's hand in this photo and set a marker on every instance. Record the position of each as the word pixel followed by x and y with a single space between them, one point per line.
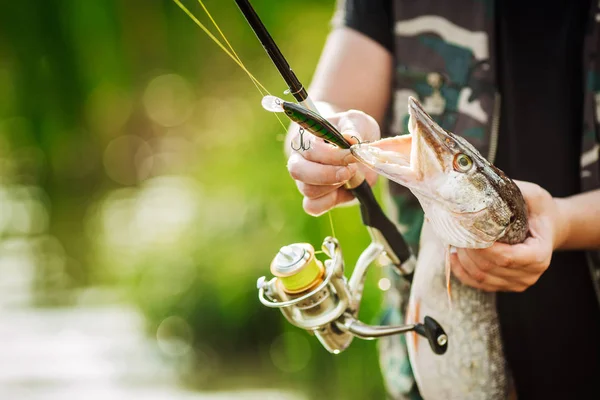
pixel 354 73
pixel 321 171
pixel 504 267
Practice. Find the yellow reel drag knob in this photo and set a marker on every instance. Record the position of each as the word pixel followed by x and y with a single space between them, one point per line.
pixel 297 268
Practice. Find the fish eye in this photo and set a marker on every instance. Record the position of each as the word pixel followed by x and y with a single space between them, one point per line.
pixel 288 112
pixel 462 162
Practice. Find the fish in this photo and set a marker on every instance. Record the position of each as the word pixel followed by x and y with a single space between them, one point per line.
pixel 467 203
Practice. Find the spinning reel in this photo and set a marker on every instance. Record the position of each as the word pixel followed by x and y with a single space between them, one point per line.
pixel 317 297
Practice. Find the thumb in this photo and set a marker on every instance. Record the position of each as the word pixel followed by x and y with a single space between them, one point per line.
pixel 353 137
pixel 349 131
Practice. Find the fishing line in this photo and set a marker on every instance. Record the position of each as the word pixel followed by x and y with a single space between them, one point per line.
pixel 254 80
pixel 331 224
pixel 210 35
pixel 234 56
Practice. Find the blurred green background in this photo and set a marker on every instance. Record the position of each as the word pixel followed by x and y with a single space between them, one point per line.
pixel 136 160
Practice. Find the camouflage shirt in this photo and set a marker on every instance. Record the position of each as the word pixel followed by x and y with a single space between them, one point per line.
pixel 445 58
pixel 448 63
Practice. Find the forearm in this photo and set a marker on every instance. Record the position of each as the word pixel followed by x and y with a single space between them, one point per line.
pixel 580 226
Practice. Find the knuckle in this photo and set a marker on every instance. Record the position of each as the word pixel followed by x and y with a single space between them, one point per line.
pixel 487 266
pixel 530 280
pixel 479 275
pixel 476 285
pixel 542 262
pixel 462 276
pixel 504 260
pixel 348 159
pixel 340 175
pixel 352 113
pixel 363 120
pixel 484 264
pixel 296 167
pixel 294 171
pixel 306 153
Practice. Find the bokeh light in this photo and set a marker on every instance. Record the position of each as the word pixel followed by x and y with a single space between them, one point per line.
pixel 174 336
pixel 108 108
pixel 384 284
pixel 123 157
pixel 291 352
pixel 169 100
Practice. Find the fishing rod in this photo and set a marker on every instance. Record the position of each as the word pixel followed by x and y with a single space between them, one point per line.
pixel 382 230
pixel 318 297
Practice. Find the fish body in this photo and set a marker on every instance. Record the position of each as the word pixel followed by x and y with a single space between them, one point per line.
pixel 468 203
pixel 474 366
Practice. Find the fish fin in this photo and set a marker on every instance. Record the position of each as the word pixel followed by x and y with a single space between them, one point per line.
pixel 448 272
pixel 412 317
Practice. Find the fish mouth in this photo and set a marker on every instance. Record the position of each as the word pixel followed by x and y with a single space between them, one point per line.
pixel 408 159
pixel 426 130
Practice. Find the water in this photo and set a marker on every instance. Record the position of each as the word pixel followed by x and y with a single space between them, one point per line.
pixel 90 353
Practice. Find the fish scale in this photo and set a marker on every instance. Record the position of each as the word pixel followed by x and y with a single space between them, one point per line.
pixel 470 204
pixel 473 366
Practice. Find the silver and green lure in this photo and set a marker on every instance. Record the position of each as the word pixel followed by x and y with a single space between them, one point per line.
pixel 307 119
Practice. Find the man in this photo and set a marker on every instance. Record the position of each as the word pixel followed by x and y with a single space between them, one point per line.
pixel 460 58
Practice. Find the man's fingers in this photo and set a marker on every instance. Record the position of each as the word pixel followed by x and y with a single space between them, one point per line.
pixel 316 191
pixel 521 275
pixel 356 121
pixel 469 266
pixel 490 283
pixel 531 251
pixel 461 274
pixel 326 153
pixel 314 173
pixel 319 206
pixel 355 126
pixel 532 193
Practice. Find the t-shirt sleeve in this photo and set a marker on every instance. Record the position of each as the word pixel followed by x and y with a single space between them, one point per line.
pixel 373 18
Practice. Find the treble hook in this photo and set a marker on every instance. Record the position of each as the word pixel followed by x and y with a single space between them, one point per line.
pixel 358 140
pixel 302 145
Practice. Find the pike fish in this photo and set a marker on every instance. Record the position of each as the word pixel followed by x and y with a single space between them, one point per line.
pixel 468 203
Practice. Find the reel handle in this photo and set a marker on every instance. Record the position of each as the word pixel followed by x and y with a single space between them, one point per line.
pixel 429 329
pixel 434 333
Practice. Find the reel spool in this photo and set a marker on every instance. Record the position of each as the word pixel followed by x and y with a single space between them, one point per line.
pixel 317 297
pixel 297 268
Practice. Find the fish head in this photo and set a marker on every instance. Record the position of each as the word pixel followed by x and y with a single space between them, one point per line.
pixel 464 196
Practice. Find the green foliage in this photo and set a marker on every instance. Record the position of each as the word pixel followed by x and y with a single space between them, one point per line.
pixel 163 177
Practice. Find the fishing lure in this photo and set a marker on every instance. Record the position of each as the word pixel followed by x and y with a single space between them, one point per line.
pixel 307 119
pixel 302 145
